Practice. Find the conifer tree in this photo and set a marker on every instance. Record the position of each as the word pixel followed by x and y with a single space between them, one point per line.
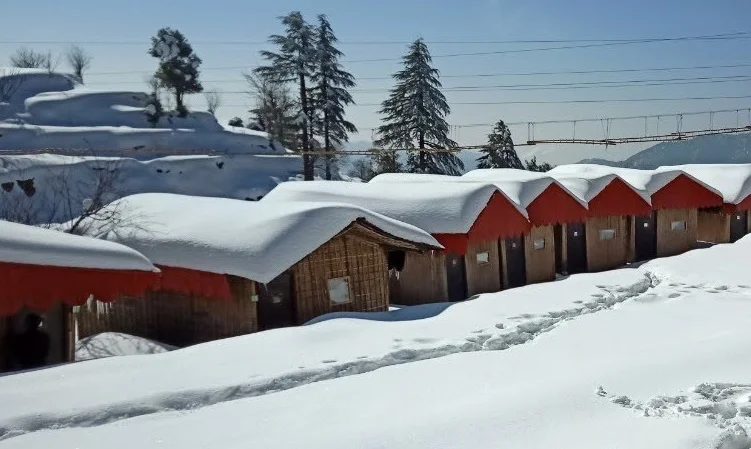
pixel 178 65
pixel 294 62
pixel 415 115
pixel 500 152
pixel 330 94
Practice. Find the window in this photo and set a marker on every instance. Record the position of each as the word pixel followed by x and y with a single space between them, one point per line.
pixel 539 244
pixel 737 217
pixel 607 234
pixel 339 290
pixel 678 226
pixel 646 224
pixel 483 258
pixel 576 233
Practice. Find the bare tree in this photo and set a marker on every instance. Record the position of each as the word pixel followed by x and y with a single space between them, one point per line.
pixel 10 82
pixel 26 58
pixel 213 101
pixel 79 60
pixel 362 169
pixel 275 111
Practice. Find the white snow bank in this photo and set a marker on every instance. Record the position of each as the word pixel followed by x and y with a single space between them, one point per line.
pixel 732 180
pixel 62 183
pixel 561 384
pixel 36 246
pixel 449 208
pixel 114 344
pixel 253 240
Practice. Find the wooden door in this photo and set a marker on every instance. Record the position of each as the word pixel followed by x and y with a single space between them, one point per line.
pixel 738 225
pixel 516 264
pixel 276 305
pixel 576 248
pixel 456 277
pixel 558 243
pixel 645 237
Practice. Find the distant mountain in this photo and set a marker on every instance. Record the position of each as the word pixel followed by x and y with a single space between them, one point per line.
pixel 717 149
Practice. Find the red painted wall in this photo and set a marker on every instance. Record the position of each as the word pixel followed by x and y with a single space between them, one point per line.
pixel 684 193
pixel 618 199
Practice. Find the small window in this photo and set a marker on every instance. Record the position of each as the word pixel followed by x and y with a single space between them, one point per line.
pixel 483 258
pixel 607 234
pixel 339 290
pixel 678 226
pixel 576 233
pixel 737 217
pixel 646 224
pixel 539 244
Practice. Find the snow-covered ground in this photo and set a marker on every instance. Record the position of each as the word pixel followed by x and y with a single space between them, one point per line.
pixel 112 344
pixel 655 356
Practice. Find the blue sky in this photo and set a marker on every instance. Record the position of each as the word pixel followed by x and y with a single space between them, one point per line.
pixel 405 20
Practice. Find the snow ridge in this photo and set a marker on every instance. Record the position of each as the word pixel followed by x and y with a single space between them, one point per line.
pixel 522 329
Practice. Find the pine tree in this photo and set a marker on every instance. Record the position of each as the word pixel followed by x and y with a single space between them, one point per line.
pixel 415 114
pixel 294 63
pixel 500 152
pixel 532 165
pixel 330 94
pixel 237 122
pixel 178 65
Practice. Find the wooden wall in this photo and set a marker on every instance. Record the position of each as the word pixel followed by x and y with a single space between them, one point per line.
pixel 670 242
pixel 713 225
pixel 540 262
pixel 483 277
pixel 421 281
pixel 364 262
pixel 607 254
pixel 172 318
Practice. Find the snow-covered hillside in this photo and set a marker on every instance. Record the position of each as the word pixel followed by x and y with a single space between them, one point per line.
pixel 39 110
pixel 655 356
pixel 717 149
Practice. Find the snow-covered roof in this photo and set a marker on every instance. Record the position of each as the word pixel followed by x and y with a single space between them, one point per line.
pixel 254 240
pixel 36 246
pixel 587 186
pixel 530 185
pixel 733 181
pixel 649 181
pixel 439 208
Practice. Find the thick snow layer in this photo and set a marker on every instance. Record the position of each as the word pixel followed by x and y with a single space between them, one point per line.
pixel 36 246
pixel 587 186
pixel 62 183
pixel 649 181
pixel 253 240
pixel 55 111
pixel 438 208
pixel 633 358
pixel 114 344
pixel 732 180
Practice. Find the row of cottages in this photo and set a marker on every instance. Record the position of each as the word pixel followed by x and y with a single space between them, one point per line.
pixel 729 222
pixel 232 267
pixel 676 197
pixel 467 219
pixel 47 273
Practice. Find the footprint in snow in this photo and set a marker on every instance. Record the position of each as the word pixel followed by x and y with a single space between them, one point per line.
pixel 362 357
pixel 423 340
pixel 578 301
pixel 722 287
pixel 743 286
pixel 597 295
pixel 328 361
pixel 674 295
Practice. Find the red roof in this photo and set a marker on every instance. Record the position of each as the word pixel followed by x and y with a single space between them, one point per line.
pixel 554 205
pixel 40 287
pixel 685 193
pixel 618 198
pixel 499 219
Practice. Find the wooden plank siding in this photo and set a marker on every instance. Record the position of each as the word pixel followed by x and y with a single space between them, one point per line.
pixel 364 264
pixel 671 242
pixel 421 281
pixel 540 262
pixel 605 253
pixel 713 225
pixel 174 318
pixel 483 276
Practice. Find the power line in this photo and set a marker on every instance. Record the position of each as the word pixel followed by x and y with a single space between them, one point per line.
pixel 386 42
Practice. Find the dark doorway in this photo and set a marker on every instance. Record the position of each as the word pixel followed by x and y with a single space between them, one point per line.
pixel 516 265
pixel 456 277
pixel 276 307
pixel 558 242
pixel 576 248
pixel 645 237
pixel 738 225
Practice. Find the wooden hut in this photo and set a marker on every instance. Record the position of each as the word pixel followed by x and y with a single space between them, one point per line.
pixel 232 267
pixel 468 220
pixel 557 217
pixel 47 272
pixel 676 198
pixel 729 222
pixel 609 228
